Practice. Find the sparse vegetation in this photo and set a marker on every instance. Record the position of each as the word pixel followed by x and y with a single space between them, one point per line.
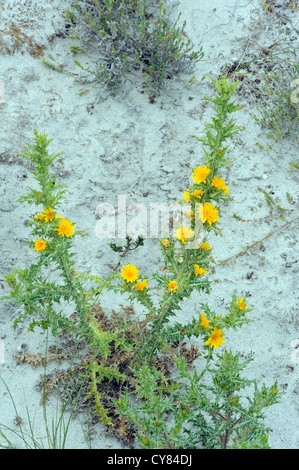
pixel 140 373
pixel 122 37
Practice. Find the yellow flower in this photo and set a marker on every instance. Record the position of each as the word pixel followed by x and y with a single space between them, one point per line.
pixel 200 173
pixel 39 216
pixel 274 390
pixel 130 273
pixel 144 440
pixel 183 234
pixel 172 286
pixel 40 245
pixel 197 193
pixel 189 214
pixel 204 321
pixel 65 228
pixel 198 270
pixel 165 243
pixel 219 183
pixel 141 285
pixel 241 303
pixel 186 195
pixel 216 338
pixel 48 214
pixel 208 213
pixel 205 246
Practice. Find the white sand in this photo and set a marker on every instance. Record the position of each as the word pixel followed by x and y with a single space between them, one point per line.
pixel 125 145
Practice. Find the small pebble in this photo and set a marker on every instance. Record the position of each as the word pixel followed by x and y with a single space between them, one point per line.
pixel 265 176
pixel 22 348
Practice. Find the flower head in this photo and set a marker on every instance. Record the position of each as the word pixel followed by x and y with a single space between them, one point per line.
pixel 219 183
pixel 208 213
pixel 48 214
pixel 165 243
pixel 65 228
pixel 197 193
pixel 198 270
pixel 172 286
pixel 183 234
pixel 186 195
pixel 130 273
pixel 216 338
pixel 189 214
pixel 39 216
pixel 141 285
pixel 40 245
pixel 200 173
pixel 205 323
pixel 205 246
pixel 242 303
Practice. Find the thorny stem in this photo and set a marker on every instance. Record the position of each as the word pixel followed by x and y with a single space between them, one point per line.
pixel 168 443
pixel 226 432
pixel 221 416
pixel 77 296
pixel 164 309
pixel 224 438
pixel 167 305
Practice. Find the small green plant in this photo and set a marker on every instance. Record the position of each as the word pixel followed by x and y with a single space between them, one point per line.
pixel 294 166
pixel 272 79
pixel 190 412
pixel 279 109
pixel 55 432
pixel 137 367
pixel 130 245
pixel 120 36
pixel 271 203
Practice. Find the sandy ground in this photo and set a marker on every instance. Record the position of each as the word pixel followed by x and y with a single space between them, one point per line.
pixel 128 146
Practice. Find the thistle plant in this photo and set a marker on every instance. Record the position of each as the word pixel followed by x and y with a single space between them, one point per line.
pixel 154 395
pixel 52 239
pixel 190 412
pixel 120 36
